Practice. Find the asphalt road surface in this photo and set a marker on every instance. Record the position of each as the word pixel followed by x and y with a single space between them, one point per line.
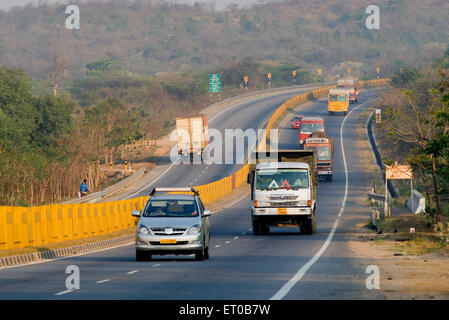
pixel 280 265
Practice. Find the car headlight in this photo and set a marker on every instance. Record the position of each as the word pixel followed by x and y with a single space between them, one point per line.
pixel 195 229
pixel 143 230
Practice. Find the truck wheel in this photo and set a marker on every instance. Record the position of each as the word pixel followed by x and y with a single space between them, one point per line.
pixel 331 113
pixel 256 228
pixel 264 228
pixel 346 112
pixel 329 178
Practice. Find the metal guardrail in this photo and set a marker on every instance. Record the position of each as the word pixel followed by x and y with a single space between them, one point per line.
pixel 377 197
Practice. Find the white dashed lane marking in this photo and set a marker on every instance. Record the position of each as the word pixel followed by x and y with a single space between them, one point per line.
pixel 103 281
pixel 132 272
pixel 63 292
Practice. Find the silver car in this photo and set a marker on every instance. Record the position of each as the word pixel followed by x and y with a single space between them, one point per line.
pixel 173 224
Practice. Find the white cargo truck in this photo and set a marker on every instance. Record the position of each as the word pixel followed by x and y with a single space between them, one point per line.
pixel 193 134
pixel 283 190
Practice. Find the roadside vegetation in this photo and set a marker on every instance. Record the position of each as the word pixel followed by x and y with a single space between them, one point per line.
pixel 415 131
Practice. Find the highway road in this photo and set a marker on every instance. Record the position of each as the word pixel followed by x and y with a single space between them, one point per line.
pixel 281 265
pixel 245 115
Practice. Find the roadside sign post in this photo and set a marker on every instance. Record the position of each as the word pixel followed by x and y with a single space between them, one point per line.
pixel 269 80
pixel 294 77
pixel 378 115
pixel 319 70
pixel 245 79
pixel 214 85
pixel 378 71
pixel 349 70
pixel 397 172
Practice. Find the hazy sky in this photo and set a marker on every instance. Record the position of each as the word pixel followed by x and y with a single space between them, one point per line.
pixel 220 4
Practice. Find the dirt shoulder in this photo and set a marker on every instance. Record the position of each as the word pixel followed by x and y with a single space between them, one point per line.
pixel 412 265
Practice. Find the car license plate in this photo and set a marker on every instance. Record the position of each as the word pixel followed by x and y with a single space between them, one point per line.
pixel 168 241
pixel 282 211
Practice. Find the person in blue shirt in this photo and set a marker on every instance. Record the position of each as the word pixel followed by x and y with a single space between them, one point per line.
pixel 84 188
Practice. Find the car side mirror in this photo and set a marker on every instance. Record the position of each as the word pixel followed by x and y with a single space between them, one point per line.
pixel 207 213
pixel 135 213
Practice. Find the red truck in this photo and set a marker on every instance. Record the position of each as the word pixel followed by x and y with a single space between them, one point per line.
pixel 309 125
pixel 324 150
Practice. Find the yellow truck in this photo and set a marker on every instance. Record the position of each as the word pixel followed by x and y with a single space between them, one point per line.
pixel 338 101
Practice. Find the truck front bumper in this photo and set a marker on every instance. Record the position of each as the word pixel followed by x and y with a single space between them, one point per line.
pixel 303 211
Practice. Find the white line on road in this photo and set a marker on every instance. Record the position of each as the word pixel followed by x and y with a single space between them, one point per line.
pixel 103 281
pixel 156 265
pixel 243 233
pixel 218 246
pixel 302 271
pixel 235 238
pixel 228 242
pixel 132 272
pixel 63 292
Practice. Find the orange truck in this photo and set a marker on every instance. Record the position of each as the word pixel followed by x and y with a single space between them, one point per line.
pixel 323 146
pixel 193 134
pixel 352 85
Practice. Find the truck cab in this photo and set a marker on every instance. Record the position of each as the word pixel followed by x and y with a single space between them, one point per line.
pixel 324 147
pixel 309 125
pixel 352 86
pixel 283 193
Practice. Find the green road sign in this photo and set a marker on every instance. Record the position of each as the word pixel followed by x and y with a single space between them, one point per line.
pixel 214 83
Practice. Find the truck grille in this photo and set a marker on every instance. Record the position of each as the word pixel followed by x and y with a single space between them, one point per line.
pixel 284 197
pixel 165 231
pixel 284 204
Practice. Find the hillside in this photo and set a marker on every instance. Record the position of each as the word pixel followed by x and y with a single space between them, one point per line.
pixel 145 38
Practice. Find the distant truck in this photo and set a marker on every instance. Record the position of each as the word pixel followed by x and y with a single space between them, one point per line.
pixel 283 192
pixel 309 125
pixel 353 87
pixel 323 145
pixel 338 101
pixel 193 134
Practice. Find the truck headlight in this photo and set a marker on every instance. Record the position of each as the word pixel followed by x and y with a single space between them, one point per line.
pixel 143 230
pixel 194 229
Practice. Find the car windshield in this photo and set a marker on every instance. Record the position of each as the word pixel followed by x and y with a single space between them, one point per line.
pixel 312 127
pixel 171 208
pixel 296 119
pixel 282 179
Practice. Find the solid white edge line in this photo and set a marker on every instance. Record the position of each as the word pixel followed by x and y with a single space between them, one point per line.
pixel 302 271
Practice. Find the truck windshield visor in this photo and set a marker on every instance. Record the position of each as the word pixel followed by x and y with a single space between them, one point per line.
pixel 282 179
pixel 312 127
pixel 324 153
pixel 171 208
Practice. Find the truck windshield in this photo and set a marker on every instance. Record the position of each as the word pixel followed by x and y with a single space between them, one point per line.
pixel 333 97
pixel 324 153
pixel 171 208
pixel 342 98
pixel 282 179
pixel 312 127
